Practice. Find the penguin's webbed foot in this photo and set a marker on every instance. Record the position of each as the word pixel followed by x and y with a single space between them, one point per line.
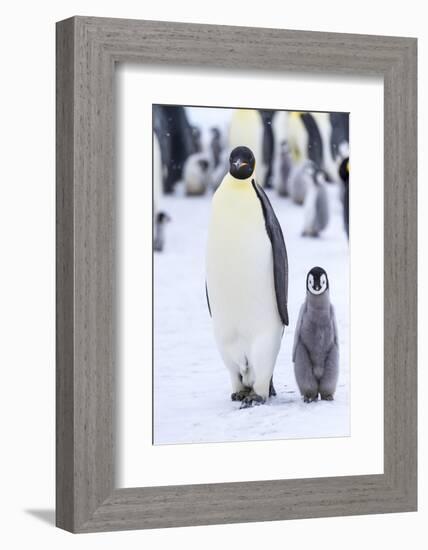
pixel 240 395
pixel 310 397
pixel 251 400
pixel 327 397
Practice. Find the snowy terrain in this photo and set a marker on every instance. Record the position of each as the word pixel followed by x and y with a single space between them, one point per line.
pixel 191 385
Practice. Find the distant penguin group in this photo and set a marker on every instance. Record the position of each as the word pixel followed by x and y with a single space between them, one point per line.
pixel 306 143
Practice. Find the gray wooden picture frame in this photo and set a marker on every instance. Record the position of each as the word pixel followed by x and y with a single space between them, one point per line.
pixel 87 50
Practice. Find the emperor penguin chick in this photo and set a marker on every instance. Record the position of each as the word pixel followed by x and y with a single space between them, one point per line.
pixel 299 180
pixel 196 174
pixel 282 169
pixel 316 346
pixel 317 211
pixel 247 280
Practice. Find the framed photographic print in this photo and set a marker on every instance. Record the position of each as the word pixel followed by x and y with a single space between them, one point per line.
pixel 236 274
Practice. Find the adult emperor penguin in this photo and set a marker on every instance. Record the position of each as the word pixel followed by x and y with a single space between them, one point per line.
pixel 247 280
pixel 316 206
pixel 344 176
pixel 316 346
pixel 304 137
pixel 325 129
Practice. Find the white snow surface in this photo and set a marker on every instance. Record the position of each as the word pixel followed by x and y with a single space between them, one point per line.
pixel 191 385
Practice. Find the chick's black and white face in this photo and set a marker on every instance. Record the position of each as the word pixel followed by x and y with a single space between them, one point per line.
pixel 242 163
pixel 317 281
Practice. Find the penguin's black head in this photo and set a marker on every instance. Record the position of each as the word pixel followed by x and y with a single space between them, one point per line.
pixel 317 281
pixel 162 217
pixel 242 163
pixel 344 170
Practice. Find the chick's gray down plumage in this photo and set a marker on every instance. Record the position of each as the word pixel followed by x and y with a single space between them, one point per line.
pixel 316 348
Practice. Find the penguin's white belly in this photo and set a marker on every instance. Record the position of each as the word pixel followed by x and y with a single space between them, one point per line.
pixel 240 277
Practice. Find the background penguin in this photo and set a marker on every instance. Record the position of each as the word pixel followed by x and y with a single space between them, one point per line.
pixel 344 176
pixel 216 146
pixel 317 211
pixel 325 130
pixel 280 135
pixel 176 141
pixel 297 137
pixel 283 169
pixel 247 129
pixel 157 172
pixel 268 146
pixel 339 139
pixel 304 138
pixel 314 143
pixel 196 139
pixel 220 171
pixel 316 346
pixel 300 178
pixel 161 219
pixel 196 174
pixel 247 280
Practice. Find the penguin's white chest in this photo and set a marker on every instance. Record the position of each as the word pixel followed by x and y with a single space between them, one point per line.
pixel 240 278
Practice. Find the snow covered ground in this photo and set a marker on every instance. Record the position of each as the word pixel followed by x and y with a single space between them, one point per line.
pixel 191 385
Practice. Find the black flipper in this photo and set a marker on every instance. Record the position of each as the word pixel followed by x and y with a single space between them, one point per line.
pixel 208 300
pixel 280 260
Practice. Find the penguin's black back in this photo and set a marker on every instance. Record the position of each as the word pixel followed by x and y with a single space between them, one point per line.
pixel 279 251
